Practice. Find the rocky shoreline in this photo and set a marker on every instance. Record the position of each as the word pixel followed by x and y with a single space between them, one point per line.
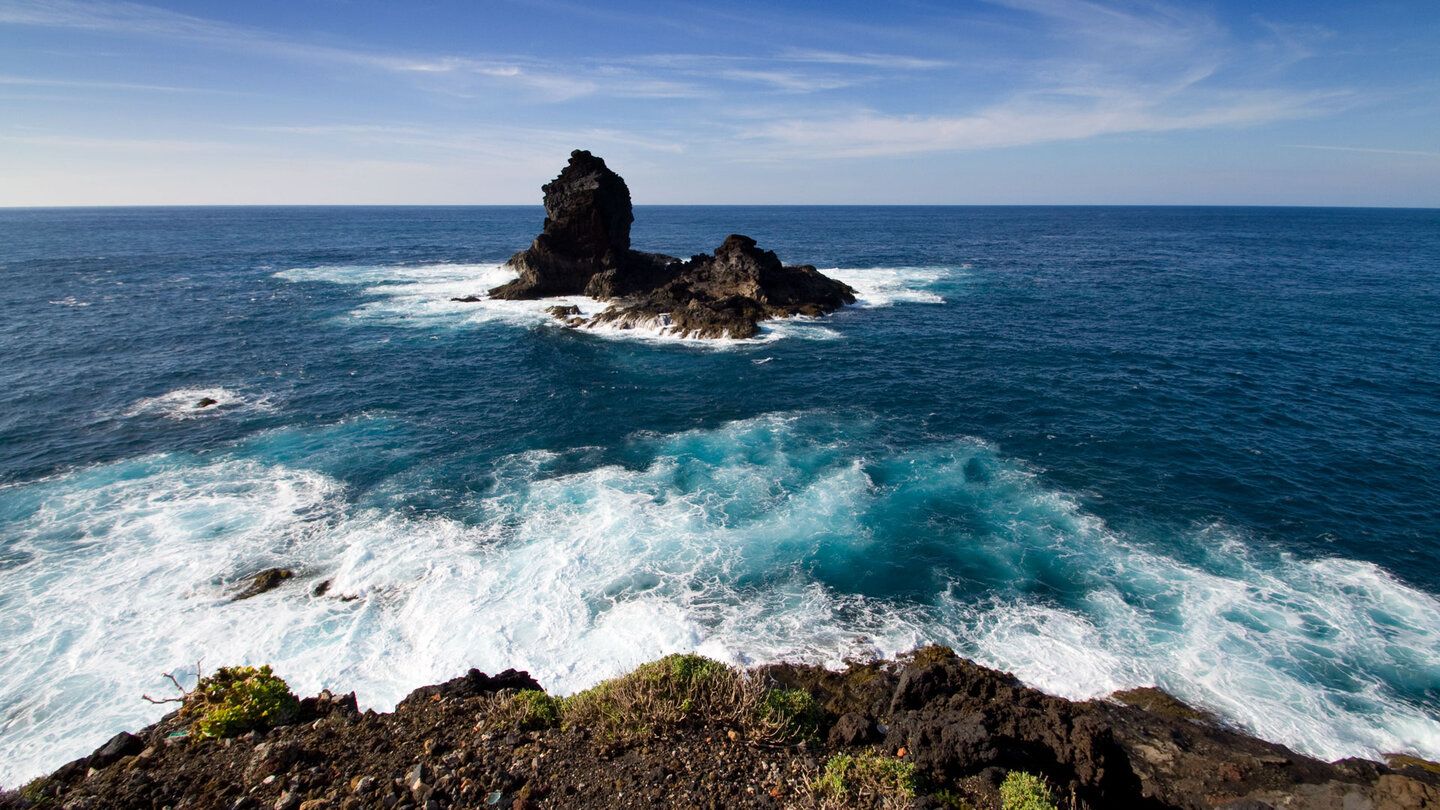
pixel 584 249
pixel 688 732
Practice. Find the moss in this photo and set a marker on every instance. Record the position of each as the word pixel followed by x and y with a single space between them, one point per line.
pixel 1401 761
pixel 927 656
pixel 39 792
pixel 847 777
pixel 952 799
pixel 237 699
pixel 1025 791
pixel 1161 704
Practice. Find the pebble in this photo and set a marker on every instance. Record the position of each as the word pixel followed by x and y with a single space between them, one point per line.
pixel 288 801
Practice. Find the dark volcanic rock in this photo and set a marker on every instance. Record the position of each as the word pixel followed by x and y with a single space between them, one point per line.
pixel 729 293
pixel 585 249
pixel 267 580
pixel 962 726
pixel 120 746
pixel 587 232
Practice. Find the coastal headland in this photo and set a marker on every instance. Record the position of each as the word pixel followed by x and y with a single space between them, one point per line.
pixel 929 730
pixel 584 249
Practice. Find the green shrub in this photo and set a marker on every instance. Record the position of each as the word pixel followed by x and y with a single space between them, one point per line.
pixel 237 699
pixel 869 774
pixel 1025 791
pixel 685 688
pixel 528 709
pixel 661 693
pixel 786 715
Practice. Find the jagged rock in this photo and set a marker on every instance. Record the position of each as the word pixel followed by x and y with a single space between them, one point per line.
pixel 585 249
pixel 473 684
pixel 267 580
pixel 206 402
pixel 586 232
pixel 727 294
pixel 117 748
pixel 852 729
pixel 468 299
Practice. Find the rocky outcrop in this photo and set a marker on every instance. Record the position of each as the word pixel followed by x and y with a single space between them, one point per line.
pixel 585 249
pixel 586 234
pixel 727 294
pixel 961 726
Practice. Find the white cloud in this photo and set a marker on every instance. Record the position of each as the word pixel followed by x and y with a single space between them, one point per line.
pixel 1370 150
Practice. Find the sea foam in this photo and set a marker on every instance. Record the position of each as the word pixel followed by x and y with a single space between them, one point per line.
pixel 422 296
pixel 782 537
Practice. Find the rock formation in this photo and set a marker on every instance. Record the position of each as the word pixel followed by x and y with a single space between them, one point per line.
pixel 585 249
pixel 586 234
pixel 957 727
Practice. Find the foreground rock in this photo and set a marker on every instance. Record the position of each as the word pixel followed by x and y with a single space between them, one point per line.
pixel 962 727
pixel 584 249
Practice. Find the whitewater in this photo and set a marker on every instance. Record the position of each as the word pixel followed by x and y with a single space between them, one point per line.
pixel 1098 448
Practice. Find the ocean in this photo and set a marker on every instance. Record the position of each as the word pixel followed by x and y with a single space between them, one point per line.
pixel 1097 447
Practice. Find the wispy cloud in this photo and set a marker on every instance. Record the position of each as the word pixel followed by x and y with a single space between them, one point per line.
pixel 867 133
pixel 27 81
pixel 1370 150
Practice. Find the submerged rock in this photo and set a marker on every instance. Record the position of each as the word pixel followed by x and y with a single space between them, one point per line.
pixel 267 580
pixel 585 249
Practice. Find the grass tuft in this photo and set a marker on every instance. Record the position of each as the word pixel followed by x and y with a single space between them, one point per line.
pixel 1025 791
pixel 847 778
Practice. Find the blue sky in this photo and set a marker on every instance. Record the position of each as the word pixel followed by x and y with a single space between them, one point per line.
pixel 1002 102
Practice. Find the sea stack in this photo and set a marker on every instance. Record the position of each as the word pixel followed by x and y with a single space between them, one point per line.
pixel 584 249
pixel 586 233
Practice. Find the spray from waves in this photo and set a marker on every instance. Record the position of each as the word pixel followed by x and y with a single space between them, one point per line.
pixel 794 536
pixel 887 286
pixel 424 296
pixel 197 403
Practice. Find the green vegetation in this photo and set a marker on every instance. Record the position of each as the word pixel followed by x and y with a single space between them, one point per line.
pixel 952 799
pixel 790 714
pixel 673 691
pixel 847 777
pixel 1398 761
pixel 39 792
pixel 1025 791
pixel 528 709
pixel 237 699
pixel 662 693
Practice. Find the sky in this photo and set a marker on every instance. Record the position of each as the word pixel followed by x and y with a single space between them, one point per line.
pixel 1287 102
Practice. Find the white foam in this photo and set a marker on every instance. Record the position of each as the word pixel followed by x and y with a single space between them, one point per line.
pixel 720 544
pixel 887 286
pixel 185 403
pixel 422 296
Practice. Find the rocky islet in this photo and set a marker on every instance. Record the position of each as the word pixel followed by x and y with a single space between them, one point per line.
pixel 584 249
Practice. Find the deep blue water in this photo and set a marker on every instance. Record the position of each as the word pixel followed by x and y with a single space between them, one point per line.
pixel 1099 447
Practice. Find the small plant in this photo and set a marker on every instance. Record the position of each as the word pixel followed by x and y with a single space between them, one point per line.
pixel 237 699
pixel 952 799
pixel 790 714
pixel 847 777
pixel 1025 791
pixel 661 693
pixel 528 710
pixel 39 792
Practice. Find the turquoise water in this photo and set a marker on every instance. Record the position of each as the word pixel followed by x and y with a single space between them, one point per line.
pixel 1098 447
